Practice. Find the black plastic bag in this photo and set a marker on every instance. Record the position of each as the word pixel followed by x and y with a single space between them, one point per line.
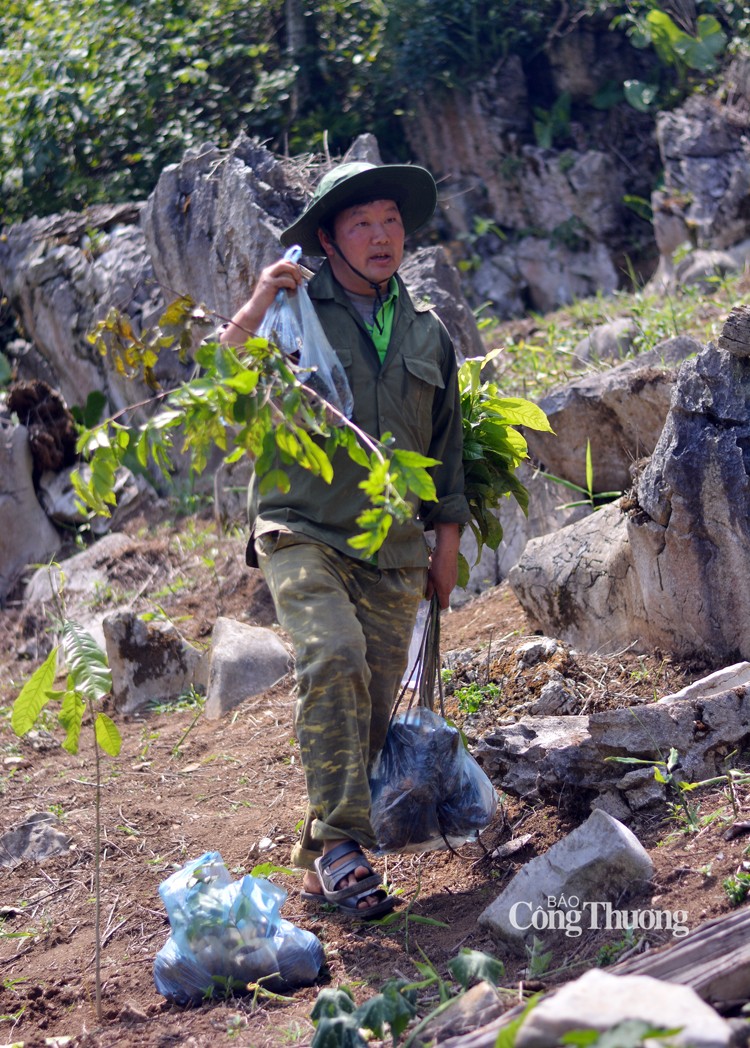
pixel 427 790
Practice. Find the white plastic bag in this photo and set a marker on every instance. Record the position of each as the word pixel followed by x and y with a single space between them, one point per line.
pixel 292 324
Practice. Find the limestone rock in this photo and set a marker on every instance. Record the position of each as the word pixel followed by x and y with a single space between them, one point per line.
pixel 434 279
pixel 693 534
pixel 595 864
pixel 621 411
pixel 213 221
pixel 703 268
pixel 571 760
pixel 26 534
pixel 150 661
pixel 60 284
pixel 84 572
pixel 578 584
pixel 244 661
pixel 706 157
pixel 735 335
pixel 608 342
pixel 35 839
pixel 598 1001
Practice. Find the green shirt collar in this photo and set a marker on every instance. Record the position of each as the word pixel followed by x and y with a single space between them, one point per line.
pixel 381 333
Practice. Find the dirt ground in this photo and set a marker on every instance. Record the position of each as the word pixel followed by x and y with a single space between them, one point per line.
pixel 183 786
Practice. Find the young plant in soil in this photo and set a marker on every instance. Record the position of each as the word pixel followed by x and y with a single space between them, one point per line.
pixel 88 682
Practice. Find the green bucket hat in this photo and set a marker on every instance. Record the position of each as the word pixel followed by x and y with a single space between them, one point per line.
pixel 413 189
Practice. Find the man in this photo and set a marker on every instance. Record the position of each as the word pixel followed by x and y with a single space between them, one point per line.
pixel 351 619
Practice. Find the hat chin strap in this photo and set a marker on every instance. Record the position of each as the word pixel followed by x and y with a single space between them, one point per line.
pixel 378 303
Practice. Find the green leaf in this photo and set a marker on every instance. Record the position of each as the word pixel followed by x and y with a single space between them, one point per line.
pixel 472 966
pixel 107 734
pixel 71 718
pixel 86 661
pixel 516 411
pixel 355 450
pixel 275 478
pixel 388 1008
pixel 464 571
pixel 244 382
pixel 265 869
pixel 414 475
pixel 641 96
pixel 34 695
pixel 331 1003
pixel 631 1033
pixel 339 1032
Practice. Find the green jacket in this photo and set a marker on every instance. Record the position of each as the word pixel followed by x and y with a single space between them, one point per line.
pixel 413 395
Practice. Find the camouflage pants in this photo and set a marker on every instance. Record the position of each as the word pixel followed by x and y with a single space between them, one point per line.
pixel 350 624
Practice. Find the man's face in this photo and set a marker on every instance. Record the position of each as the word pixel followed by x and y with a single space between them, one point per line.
pixel 371 236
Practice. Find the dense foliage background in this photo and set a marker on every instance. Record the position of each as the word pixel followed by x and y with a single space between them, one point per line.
pixel 98 95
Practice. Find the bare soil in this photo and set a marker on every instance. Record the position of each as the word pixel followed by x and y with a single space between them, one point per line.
pixel 183 786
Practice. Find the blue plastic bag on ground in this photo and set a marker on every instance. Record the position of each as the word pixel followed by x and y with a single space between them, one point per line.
pixel 226 934
pixel 427 790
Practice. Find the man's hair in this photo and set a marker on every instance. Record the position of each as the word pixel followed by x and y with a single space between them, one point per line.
pixel 330 220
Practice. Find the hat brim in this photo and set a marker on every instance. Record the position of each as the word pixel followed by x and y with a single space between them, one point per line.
pixel 413 189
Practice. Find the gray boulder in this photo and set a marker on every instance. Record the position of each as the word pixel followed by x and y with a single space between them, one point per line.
pixel 61 281
pixel 706 156
pixel 37 838
pixel 572 760
pixel 621 411
pixel 150 661
pixel 36 538
pixel 244 661
pixel 598 1001
pixel 568 888
pixel 432 278
pixel 213 221
pixel 690 538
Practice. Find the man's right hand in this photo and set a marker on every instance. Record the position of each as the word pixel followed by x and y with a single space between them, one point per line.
pixel 281 275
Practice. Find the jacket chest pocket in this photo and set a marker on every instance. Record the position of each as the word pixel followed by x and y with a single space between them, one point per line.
pixel 422 377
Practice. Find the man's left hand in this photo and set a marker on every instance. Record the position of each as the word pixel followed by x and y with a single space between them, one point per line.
pixel 442 574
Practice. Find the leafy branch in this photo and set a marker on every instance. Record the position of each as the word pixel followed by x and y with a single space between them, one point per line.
pixel 251 401
pixel 493 450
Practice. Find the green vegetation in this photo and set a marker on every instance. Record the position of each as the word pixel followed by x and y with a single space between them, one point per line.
pixel 340 1023
pixel 737 887
pixel 88 684
pixel 532 364
pixel 668 773
pixel 493 450
pixel 254 403
pixel 99 95
pixel 471 698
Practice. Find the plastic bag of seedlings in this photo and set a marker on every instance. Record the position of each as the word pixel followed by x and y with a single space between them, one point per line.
pixel 427 790
pixel 292 324
pixel 227 934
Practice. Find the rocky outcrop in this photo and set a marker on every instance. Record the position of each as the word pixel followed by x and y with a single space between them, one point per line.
pixel 660 570
pixel 213 221
pixel 621 412
pixel 26 534
pixel 61 275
